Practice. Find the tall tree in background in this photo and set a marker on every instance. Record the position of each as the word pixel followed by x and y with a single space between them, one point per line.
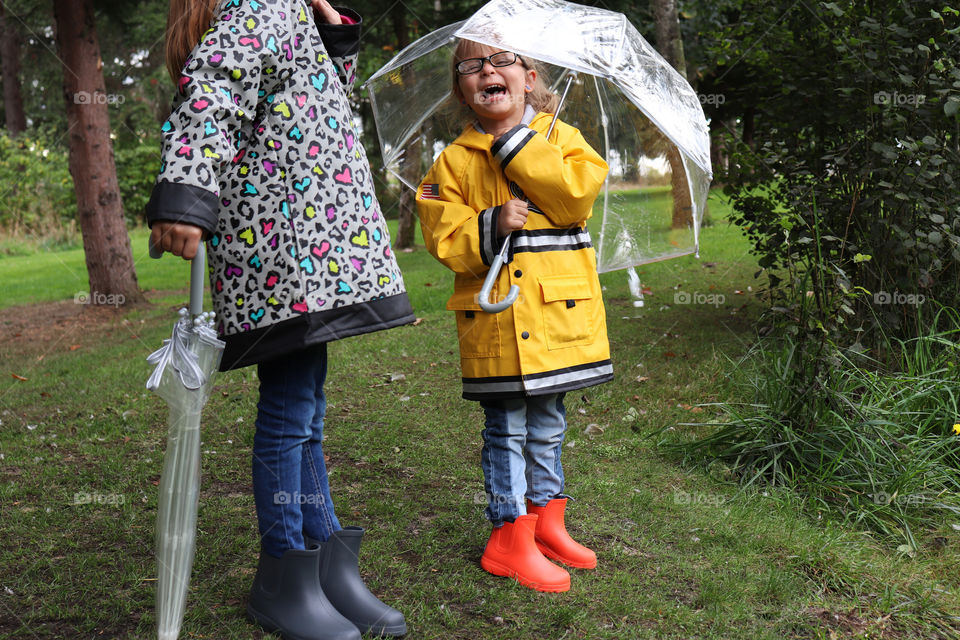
pixel 670 45
pixel 15 117
pixel 99 207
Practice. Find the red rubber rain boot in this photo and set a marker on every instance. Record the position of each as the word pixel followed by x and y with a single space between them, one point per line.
pixel 511 552
pixel 553 540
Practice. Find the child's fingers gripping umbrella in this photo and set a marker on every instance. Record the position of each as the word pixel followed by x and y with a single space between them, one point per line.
pixel 628 102
pixel 185 367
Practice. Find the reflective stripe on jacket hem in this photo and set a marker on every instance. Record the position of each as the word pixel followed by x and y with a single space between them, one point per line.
pixel 538 384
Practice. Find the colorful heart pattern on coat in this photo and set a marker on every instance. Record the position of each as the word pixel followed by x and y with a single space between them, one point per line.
pixel 263 122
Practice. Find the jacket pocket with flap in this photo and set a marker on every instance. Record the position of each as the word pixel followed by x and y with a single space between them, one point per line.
pixel 478 332
pixel 568 303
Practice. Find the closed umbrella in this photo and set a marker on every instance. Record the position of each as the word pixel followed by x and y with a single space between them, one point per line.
pixel 185 367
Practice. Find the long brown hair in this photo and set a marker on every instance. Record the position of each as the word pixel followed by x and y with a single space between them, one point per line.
pixel 187 21
pixel 540 98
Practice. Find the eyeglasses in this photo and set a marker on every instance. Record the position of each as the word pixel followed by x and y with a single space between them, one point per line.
pixel 498 59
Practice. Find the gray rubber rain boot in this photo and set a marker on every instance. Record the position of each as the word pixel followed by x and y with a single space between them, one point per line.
pixel 286 598
pixel 341 581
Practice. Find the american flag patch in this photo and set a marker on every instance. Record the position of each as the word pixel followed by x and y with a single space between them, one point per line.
pixel 430 192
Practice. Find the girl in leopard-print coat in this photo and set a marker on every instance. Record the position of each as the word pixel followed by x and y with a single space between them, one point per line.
pixel 261 158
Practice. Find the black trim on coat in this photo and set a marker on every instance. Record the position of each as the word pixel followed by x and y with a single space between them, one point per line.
pixel 341 40
pixel 519 381
pixel 515 141
pixel 186 203
pixel 490 241
pixel 288 336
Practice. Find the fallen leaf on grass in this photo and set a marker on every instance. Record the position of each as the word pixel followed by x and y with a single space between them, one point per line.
pixel 642 378
pixel 416 322
pixel 20 378
pixel 74 347
pixel 593 429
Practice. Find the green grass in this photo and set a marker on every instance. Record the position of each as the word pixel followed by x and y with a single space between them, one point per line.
pixel 45 276
pixel 681 554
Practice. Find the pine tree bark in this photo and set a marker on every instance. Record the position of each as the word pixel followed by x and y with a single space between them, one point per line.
pixel 16 120
pixel 670 46
pixel 106 245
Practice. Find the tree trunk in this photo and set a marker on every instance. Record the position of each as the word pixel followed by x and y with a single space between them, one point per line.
pixel 670 46
pixel 106 246
pixel 407 223
pixel 16 119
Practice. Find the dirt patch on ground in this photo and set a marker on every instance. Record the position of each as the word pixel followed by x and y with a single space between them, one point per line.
pixel 41 323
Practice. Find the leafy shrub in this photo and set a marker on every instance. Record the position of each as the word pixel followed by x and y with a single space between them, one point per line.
pixel 37 196
pixel 851 187
pixel 137 168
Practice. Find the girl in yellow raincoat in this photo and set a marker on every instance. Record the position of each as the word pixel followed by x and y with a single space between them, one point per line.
pixel 503 176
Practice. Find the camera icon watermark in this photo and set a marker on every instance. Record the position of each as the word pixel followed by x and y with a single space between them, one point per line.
pixel 697 297
pixel 85 97
pixel 883 498
pixel 712 99
pixel 897 298
pixel 98 298
pixel 684 498
pixel 285 497
pixel 482 97
pixel 85 497
pixel 482 497
pixel 899 99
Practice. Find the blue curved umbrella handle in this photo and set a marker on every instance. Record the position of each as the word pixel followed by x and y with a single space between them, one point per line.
pixel 492 274
pixel 197 267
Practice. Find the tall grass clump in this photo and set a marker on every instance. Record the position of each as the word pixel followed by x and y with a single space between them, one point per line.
pixel 870 439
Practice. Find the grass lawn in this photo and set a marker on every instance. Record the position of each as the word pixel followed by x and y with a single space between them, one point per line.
pixel 681 554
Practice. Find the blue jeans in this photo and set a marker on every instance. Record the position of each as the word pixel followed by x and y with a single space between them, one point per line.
pixel 522 443
pixel 290 485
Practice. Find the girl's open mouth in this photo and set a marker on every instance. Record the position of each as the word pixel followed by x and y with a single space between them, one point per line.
pixel 493 93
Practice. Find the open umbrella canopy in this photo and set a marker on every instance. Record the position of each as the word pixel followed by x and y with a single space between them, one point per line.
pixel 628 102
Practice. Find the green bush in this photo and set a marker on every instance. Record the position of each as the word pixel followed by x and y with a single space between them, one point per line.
pixel 37 197
pixel 137 168
pixel 852 177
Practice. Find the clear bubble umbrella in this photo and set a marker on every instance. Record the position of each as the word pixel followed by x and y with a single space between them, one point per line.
pixel 628 102
pixel 185 367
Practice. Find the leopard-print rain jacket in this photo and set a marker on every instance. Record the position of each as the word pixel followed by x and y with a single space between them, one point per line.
pixel 262 151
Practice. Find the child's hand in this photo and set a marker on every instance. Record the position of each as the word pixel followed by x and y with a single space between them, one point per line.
pixel 325 12
pixel 513 215
pixel 178 238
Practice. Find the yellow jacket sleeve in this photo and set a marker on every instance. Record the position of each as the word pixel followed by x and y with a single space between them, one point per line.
pixel 562 179
pixel 461 238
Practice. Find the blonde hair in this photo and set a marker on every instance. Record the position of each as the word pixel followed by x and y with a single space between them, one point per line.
pixel 187 21
pixel 540 97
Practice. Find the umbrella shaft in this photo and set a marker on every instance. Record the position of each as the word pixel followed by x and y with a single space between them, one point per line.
pixel 563 96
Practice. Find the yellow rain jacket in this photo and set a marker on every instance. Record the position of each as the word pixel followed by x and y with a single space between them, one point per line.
pixel 554 337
